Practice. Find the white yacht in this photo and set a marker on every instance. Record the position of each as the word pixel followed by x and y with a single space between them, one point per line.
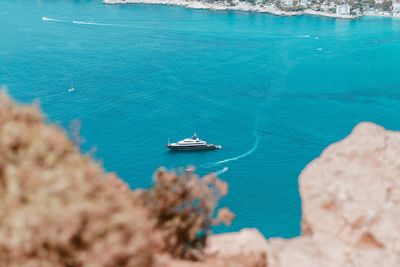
pixel 193 143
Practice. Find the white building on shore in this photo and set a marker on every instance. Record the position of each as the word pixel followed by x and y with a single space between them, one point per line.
pixel 343 9
pixel 396 7
pixel 287 3
pixel 325 7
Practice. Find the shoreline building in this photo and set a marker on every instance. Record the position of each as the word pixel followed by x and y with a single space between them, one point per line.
pixel 396 7
pixel 325 7
pixel 343 9
pixel 303 3
pixel 287 3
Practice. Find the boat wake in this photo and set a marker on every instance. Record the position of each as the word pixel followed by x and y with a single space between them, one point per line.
pixel 246 154
pixel 51 19
pixel 83 22
pixel 94 23
pixel 308 36
pixel 222 171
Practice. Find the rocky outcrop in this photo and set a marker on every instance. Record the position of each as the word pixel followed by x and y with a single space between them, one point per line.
pixel 246 248
pixel 351 199
pixel 351 212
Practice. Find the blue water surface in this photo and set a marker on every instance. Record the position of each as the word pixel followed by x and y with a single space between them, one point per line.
pixel 273 91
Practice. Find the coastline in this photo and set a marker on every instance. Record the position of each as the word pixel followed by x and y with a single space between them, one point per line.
pixel 241 6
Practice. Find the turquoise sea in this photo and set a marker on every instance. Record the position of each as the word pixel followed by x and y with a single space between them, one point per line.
pixel 273 91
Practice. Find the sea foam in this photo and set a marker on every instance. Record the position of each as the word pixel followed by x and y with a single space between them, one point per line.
pixel 246 154
pixel 94 23
pixel 50 19
pixel 222 171
pixel 83 22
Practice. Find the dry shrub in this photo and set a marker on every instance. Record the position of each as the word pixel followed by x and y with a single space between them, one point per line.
pixel 59 208
pixel 182 206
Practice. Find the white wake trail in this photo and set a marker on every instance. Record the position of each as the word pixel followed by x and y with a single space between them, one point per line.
pixel 305 36
pixel 94 23
pixel 248 153
pixel 82 22
pixel 51 19
pixel 223 170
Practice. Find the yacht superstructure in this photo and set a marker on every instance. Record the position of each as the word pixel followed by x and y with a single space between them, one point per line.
pixel 193 143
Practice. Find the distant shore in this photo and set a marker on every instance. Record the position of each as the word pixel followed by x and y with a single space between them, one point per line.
pixel 241 6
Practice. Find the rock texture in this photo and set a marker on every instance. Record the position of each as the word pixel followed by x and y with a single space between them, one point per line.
pixel 246 248
pixel 350 196
pixel 351 209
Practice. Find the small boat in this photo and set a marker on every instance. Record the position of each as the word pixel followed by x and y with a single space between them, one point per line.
pixel 71 88
pixel 190 144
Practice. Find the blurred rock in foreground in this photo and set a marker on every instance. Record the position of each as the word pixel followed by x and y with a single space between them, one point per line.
pixel 351 209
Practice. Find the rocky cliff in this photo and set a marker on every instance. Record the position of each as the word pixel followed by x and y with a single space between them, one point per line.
pixel 351 212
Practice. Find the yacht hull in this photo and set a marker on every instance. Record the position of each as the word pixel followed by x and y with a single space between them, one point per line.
pixel 192 148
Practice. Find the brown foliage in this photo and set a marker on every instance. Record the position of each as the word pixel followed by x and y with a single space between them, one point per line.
pixel 182 206
pixel 57 207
